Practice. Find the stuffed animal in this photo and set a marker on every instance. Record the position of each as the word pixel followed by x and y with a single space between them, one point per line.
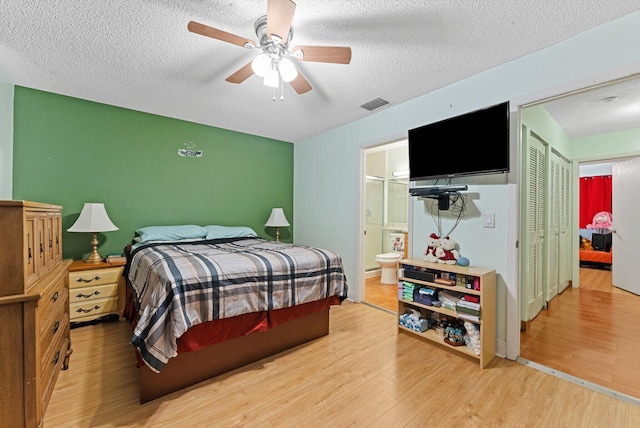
pixel 433 242
pixel 586 244
pixel 446 252
pixel 602 220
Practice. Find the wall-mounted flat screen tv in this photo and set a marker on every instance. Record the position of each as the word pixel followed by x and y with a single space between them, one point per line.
pixel 473 143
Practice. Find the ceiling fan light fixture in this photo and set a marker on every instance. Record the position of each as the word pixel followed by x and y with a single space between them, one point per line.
pixel 288 71
pixel 272 78
pixel 261 64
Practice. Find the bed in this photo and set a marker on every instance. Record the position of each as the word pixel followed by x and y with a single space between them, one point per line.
pixel 595 249
pixel 202 306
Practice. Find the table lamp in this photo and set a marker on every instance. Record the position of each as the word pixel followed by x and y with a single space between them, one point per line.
pixel 277 219
pixel 94 219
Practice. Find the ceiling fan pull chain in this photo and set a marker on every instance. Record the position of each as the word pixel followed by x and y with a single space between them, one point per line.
pixel 274 94
pixel 281 89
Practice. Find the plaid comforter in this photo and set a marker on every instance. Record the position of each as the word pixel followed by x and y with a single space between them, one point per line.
pixel 178 285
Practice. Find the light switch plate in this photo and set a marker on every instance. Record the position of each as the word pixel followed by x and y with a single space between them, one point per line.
pixel 489 220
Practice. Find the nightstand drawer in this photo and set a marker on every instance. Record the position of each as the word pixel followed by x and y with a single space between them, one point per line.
pixel 93 277
pixel 95 292
pixel 92 308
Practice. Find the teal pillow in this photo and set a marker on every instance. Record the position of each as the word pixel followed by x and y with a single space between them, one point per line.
pixel 171 233
pixel 217 232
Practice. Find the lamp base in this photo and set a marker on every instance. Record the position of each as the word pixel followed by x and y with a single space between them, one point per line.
pixel 95 256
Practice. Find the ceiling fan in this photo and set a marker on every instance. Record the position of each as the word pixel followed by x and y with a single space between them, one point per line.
pixel 273 64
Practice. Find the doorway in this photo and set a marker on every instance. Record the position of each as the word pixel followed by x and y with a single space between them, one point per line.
pixel 546 341
pixel 385 216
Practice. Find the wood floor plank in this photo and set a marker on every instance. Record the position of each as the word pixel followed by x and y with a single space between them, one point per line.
pixel 590 333
pixel 363 374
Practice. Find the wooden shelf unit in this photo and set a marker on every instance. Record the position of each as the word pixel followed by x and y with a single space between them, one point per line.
pixel 487 294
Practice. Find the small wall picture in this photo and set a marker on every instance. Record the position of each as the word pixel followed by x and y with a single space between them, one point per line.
pixel 397 242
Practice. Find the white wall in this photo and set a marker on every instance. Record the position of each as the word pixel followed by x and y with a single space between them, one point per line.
pixel 596 169
pixel 327 175
pixel 6 140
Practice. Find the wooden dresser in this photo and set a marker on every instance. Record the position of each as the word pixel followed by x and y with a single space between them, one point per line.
pixel 34 310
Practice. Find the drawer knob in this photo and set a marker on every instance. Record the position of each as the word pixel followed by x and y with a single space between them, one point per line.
pixel 55 296
pixel 56 358
pixel 96 278
pixel 86 296
pixel 80 310
pixel 56 326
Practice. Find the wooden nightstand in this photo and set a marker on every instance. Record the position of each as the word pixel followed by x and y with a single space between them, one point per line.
pixel 95 290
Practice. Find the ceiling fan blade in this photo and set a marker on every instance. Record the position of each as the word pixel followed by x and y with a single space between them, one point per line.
pixel 333 54
pixel 241 75
pixel 205 30
pixel 300 84
pixel 279 19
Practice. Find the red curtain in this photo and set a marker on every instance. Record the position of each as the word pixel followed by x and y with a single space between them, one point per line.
pixel 595 196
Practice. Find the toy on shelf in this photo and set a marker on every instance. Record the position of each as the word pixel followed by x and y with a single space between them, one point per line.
pixel 446 252
pixel 433 242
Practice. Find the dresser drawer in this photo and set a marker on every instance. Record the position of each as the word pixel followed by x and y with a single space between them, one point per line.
pixel 93 308
pixel 94 292
pixel 54 325
pixel 53 298
pixel 94 277
pixel 52 354
pixel 51 370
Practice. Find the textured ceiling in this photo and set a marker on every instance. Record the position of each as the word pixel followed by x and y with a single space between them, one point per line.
pixel 606 108
pixel 138 54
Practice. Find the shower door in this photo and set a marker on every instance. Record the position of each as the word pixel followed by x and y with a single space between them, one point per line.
pixel 373 222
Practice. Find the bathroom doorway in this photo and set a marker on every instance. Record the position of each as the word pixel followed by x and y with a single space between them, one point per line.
pixel 386 215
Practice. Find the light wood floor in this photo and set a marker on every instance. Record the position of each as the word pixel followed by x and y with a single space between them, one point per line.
pixel 363 374
pixel 590 332
pixel 382 295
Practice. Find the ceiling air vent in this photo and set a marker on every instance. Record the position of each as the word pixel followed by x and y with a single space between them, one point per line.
pixel 374 104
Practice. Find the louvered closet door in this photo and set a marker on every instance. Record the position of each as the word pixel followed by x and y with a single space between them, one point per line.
pixel 554 228
pixel 564 261
pixel 535 221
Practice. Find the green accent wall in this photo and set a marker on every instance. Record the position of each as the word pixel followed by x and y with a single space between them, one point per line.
pixel 69 151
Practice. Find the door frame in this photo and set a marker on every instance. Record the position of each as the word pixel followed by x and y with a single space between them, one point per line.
pixel 514 289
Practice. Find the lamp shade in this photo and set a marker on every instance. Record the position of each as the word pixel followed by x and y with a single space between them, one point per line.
pixel 287 70
pixel 261 64
pixel 271 78
pixel 93 218
pixel 277 218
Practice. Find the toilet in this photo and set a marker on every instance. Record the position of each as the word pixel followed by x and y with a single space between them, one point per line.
pixel 389 264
